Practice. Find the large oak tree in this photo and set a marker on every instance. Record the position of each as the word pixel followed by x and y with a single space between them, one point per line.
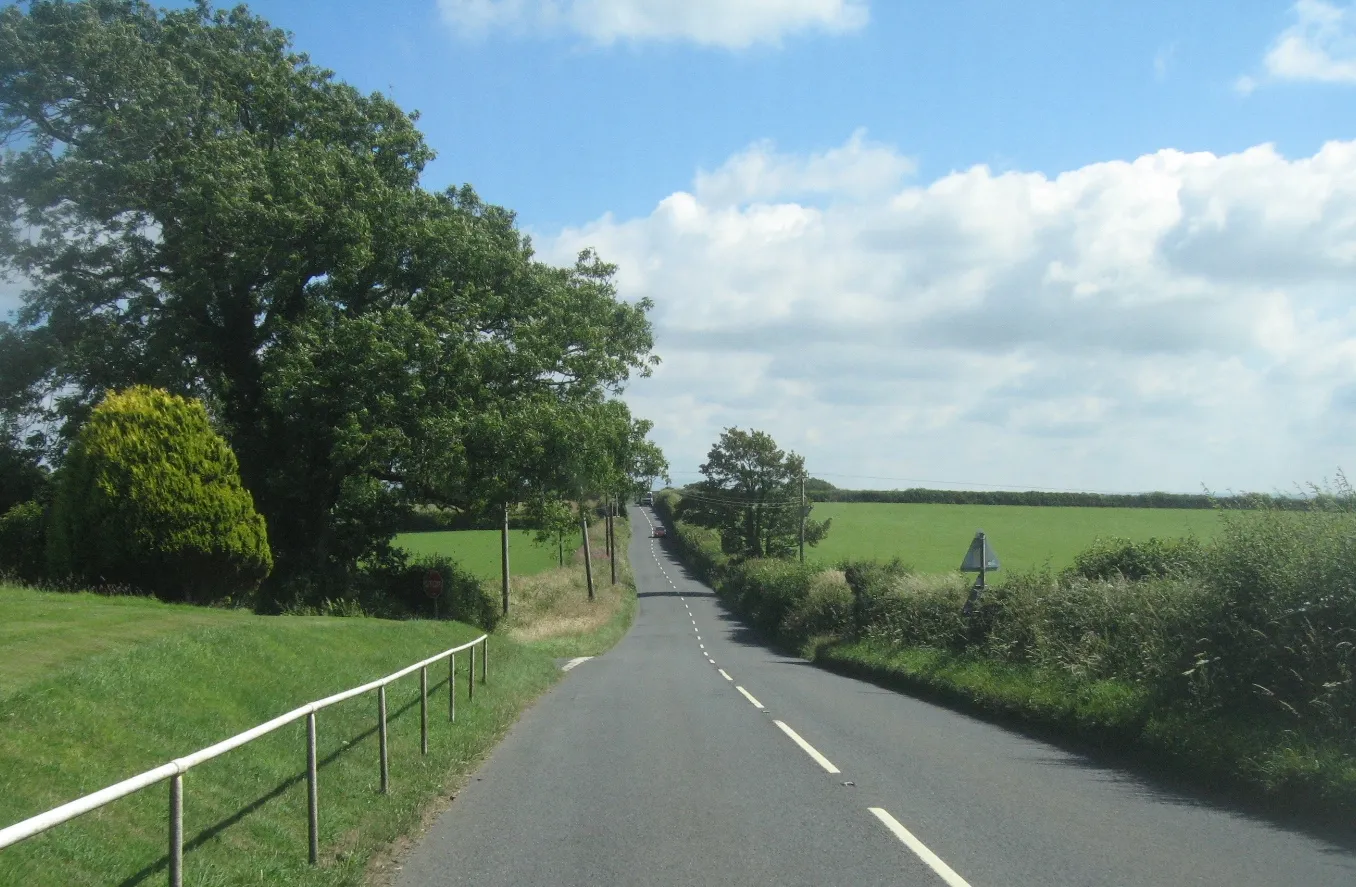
pixel 200 208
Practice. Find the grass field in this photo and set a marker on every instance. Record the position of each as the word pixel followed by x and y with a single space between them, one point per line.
pixel 934 538
pixel 96 689
pixel 478 550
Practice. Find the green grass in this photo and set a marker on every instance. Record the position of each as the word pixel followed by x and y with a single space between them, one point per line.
pixel 934 538
pixel 42 632
pixel 128 684
pixel 478 550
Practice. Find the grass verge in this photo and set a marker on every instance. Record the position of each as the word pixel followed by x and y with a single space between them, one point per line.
pixel 550 611
pixel 1245 758
pixel 123 685
pixel 41 632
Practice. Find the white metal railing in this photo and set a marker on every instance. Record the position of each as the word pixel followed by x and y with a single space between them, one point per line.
pixel 174 770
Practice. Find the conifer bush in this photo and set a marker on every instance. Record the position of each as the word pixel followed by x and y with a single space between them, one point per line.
pixel 150 498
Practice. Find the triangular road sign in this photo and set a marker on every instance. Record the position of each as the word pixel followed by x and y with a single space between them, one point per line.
pixel 972 557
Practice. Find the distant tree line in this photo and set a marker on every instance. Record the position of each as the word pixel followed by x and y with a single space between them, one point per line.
pixel 823 491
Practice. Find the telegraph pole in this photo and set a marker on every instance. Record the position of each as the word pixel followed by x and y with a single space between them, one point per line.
pixel 608 524
pixel 504 556
pixel 802 517
pixel 588 557
pixel 612 538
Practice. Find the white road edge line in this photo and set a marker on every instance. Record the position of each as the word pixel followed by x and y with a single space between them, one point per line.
pixel 808 748
pixel 575 661
pixel 917 846
pixel 724 675
pixel 748 696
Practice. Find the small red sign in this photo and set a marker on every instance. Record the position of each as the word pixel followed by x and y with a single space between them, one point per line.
pixel 433 583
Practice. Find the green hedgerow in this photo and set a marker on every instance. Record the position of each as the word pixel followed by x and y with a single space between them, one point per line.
pixel 22 542
pixel 150 498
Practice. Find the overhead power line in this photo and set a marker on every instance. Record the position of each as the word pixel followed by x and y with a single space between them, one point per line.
pixel 741 503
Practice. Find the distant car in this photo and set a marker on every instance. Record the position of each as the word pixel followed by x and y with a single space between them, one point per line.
pixel 660 532
pixel 649 499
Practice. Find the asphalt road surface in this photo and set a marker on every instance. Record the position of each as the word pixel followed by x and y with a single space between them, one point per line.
pixel 689 754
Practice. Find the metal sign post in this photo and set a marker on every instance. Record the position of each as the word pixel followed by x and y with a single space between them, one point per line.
pixel 433 587
pixel 981 559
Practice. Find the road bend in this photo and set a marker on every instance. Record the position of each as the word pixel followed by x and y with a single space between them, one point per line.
pixel 690 754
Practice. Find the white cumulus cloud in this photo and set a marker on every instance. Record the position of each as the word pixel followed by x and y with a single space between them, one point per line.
pixel 730 24
pixel 1320 46
pixel 1176 320
pixel 858 168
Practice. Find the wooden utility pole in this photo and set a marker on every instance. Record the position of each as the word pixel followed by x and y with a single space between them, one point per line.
pixel 802 518
pixel 504 560
pixel 607 526
pixel 588 558
pixel 612 538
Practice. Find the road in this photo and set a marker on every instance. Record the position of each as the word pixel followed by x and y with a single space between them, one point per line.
pixel 689 754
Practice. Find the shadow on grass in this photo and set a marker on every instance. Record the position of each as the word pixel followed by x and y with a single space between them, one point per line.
pixel 282 788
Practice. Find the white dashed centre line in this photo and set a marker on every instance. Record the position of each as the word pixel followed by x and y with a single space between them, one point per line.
pixel 749 696
pixel 917 846
pixel 724 675
pixel 807 748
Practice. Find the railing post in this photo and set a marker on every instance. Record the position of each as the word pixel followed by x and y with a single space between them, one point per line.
pixel 423 710
pixel 312 791
pixel 452 688
pixel 471 676
pixel 176 831
pixel 381 738
pixel 485 660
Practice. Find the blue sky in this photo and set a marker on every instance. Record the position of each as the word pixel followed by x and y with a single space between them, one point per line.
pixel 561 129
pixel 1064 245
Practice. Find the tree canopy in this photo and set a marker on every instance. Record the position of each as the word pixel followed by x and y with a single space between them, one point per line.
pixel 200 208
pixel 751 494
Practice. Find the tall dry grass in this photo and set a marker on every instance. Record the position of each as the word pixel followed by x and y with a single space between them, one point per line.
pixel 551 610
